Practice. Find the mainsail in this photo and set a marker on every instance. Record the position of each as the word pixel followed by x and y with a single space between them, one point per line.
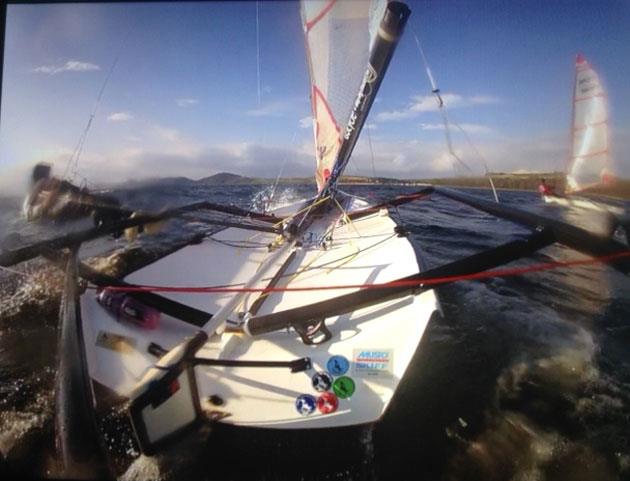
pixel 589 164
pixel 339 35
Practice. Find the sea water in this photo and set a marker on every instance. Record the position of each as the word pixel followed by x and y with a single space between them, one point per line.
pixel 525 378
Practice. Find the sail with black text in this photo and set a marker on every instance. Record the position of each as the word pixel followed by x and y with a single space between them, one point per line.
pixel 338 40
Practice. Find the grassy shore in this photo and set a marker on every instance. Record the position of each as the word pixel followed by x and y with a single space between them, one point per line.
pixel 620 189
pixel 503 181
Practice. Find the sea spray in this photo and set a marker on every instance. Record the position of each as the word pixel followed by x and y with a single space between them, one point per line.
pixel 368 471
pixel 144 468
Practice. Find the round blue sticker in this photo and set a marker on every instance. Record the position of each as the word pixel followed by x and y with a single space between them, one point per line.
pixel 338 365
pixel 321 381
pixel 305 404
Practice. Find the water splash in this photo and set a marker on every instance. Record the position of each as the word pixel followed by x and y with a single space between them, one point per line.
pixel 144 468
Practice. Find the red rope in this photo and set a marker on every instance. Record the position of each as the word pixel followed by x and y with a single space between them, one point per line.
pixel 514 271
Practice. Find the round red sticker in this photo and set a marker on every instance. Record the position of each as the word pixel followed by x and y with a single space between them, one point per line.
pixel 327 403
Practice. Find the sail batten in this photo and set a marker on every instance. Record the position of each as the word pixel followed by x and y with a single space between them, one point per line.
pixel 589 162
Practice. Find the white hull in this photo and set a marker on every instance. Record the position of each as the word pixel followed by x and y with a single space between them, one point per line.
pixel 583 203
pixel 364 251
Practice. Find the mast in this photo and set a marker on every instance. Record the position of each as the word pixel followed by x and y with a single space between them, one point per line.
pixel 384 44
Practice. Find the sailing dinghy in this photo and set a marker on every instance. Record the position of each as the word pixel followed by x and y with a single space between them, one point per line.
pixel 249 370
pixel 590 163
pixel 307 317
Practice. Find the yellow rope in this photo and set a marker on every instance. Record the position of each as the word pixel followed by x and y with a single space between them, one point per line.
pixel 308 207
pixel 346 217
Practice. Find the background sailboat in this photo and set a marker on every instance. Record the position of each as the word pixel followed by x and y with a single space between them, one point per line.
pixel 590 164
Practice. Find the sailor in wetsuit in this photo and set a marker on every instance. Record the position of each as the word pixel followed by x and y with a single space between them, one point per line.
pixel 544 189
pixel 59 200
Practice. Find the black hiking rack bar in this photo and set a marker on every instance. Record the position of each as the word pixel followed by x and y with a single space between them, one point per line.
pixel 14 256
pixel 567 234
pixel 79 446
pixel 305 315
pixel 296 365
pixel 395 202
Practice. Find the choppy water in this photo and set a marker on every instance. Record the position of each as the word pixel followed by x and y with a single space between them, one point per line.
pixel 525 378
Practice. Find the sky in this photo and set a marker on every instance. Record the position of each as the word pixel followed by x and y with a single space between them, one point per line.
pixel 193 92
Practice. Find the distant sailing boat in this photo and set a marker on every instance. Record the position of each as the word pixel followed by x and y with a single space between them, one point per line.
pixel 590 163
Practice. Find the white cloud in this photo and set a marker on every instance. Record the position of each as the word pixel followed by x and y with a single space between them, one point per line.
pixel 69 66
pixel 120 117
pixel 484 99
pixel 306 122
pixel 468 128
pixel 167 133
pixel 394 115
pixel 428 103
pixel 186 102
pixel 443 163
pixel 273 109
pixel 166 151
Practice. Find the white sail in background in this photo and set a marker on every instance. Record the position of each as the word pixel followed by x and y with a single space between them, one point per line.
pixel 590 157
pixel 338 39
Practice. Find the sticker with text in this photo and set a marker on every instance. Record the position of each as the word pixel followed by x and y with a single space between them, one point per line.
pixel 373 362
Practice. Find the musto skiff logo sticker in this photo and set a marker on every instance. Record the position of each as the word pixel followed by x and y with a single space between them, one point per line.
pixel 373 362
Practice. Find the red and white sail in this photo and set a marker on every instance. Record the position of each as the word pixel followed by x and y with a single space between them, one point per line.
pixel 589 164
pixel 338 35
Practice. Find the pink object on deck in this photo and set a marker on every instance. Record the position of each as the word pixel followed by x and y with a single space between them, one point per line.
pixel 124 307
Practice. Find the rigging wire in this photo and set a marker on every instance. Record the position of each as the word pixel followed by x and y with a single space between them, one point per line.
pixel 284 163
pixel 72 166
pixel 371 149
pixel 443 111
pixel 258 51
pixel 441 105
pixel 483 159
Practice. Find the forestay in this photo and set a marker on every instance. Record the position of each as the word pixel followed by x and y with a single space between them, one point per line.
pixel 338 40
pixel 590 157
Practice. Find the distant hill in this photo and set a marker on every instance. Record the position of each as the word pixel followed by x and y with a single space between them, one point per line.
pixel 157 181
pixel 225 178
pixel 509 181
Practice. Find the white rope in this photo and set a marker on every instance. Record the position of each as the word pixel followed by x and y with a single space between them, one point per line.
pixel 442 106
